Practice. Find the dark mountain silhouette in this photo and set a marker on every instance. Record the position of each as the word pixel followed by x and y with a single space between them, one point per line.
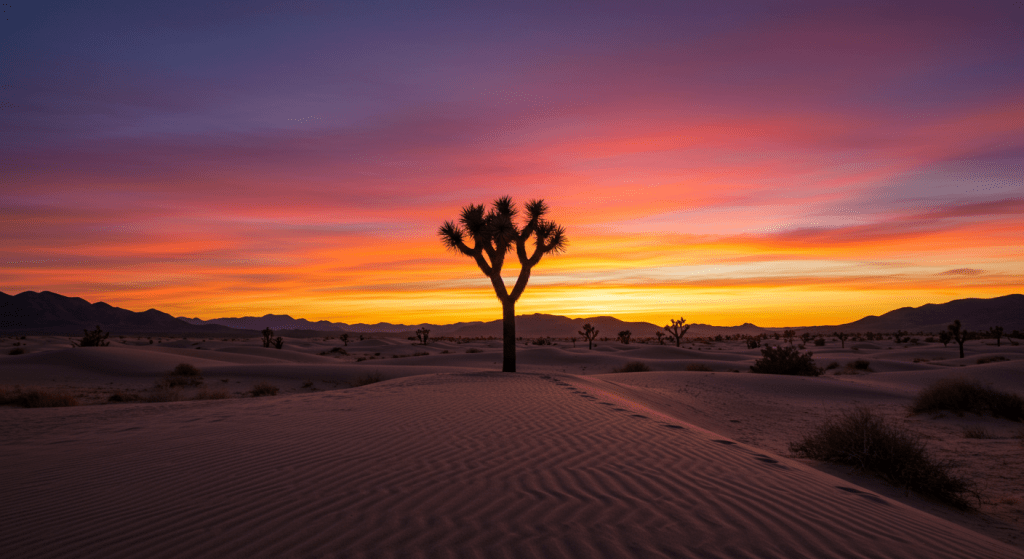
pixel 975 314
pixel 50 313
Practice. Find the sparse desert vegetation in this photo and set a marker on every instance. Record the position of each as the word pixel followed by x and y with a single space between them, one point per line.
pixel 872 444
pixel 785 360
pixel 963 395
pixel 36 398
pixel 368 378
pixel 264 389
pixel 633 367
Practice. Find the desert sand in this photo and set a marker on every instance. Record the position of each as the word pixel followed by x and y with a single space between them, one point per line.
pixel 447 457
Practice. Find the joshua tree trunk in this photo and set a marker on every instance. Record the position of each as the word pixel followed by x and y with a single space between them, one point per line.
pixel 508 330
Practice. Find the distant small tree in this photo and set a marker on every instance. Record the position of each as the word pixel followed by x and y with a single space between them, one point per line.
pixel 945 337
pixel 268 336
pixel 573 341
pixel 661 337
pixel 589 332
pixel 806 337
pixel 753 342
pixel 841 336
pixel 279 342
pixel 344 339
pixel 901 337
pixel 788 335
pixel 423 335
pixel 94 338
pixel 677 329
pixel 997 333
pixel 959 335
pixel 624 336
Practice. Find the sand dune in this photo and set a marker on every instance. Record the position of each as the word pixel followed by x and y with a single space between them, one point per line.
pixel 453 459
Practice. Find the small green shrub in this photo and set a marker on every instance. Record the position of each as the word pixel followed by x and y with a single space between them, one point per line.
pixel 981 360
pixel 36 398
pixel 785 360
pixel 697 367
pixel 961 395
pixel 873 445
pixel 633 367
pixel 264 389
pixel 363 380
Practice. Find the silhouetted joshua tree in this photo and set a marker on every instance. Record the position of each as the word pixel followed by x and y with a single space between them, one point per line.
pixel 841 336
pixel 279 342
pixel 661 337
pixel 945 337
pixel 344 339
pixel 268 336
pixel 494 233
pixel 677 330
pixel 959 335
pixel 997 333
pixel 423 335
pixel 624 336
pixel 94 338
pixel 589 332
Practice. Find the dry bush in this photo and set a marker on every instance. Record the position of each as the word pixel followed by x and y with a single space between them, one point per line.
pixel 976 433
pixel 785 360
pixel 17 351
pixel 163 394
pixel 187 370
pixel 36 398
pixel 119 396
pixel 860 365
pixel 868 442
pixel 474 350
pixel 697 367
pixel 961 395
pixel 363 380
pixel 633 367
pixel 983 360
pixel 832 365
pixel 264 389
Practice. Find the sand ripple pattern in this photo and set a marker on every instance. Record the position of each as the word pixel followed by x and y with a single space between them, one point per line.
pixel 435 466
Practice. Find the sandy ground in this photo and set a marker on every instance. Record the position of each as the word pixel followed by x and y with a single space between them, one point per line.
pixel 450 458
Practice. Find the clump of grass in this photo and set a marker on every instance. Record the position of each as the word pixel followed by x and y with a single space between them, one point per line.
pixel 633 367
pixel 981 360
pixel 264 389
pixel 976 433
pixel 832 365
pixel 119 396
pixel 474 350
pixel 36 398
pixel 697 367
pixel 335 350
pixel 163 394
pixel 785 360
pixel 17 351
pixel 868 442
pixel 961 395
pixel 860 365
pixel 363 380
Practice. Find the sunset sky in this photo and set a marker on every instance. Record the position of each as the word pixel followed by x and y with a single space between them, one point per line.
pixel 780 163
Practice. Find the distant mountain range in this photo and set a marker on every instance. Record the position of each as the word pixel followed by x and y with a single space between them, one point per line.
pixel 51 313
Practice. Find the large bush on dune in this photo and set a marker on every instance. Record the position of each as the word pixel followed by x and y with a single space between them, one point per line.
pixel 785 360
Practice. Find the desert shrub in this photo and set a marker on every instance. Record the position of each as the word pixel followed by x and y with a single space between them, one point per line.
pixel 976 433
pixel 363 380
pixel 785 360
pixel 697 367
pixel 752 343
pixel 264 389
pixel 868 442
pixel 961 395
pixel 36 398
pixel 337 350
pixel 187 370
pixel 163 394
pixel 860 365
pixel 211 395
pixel 832 365
pixel 542 341
pixel 981 360
pixel 17 351
pixel 633 367
pixel 474 350
pixel 819 341
pixel 93 338
pixel 119 396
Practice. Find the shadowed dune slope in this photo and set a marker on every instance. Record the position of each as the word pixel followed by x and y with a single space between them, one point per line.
pixel 459 465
